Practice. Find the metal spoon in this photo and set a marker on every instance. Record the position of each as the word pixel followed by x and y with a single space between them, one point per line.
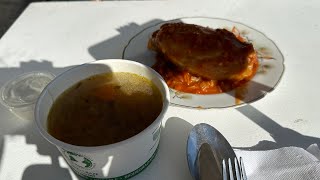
pixel 206 148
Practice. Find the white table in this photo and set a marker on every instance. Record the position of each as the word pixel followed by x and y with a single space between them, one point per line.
pixel 56 36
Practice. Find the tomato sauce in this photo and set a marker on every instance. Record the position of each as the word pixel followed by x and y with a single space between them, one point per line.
pixel 182 80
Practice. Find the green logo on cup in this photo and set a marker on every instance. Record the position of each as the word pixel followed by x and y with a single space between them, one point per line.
pixel 79 160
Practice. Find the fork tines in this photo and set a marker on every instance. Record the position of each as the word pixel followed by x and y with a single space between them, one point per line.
pixel 233 171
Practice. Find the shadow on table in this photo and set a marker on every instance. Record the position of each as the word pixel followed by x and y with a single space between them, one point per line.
pixel 283 137
pixel 171 160
pixel 112 48
pixel 9 73
pixel 174 134
pixel 28 130
pixel 44 148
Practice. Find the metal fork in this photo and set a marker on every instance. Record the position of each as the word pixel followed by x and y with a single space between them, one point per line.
pixel 240 173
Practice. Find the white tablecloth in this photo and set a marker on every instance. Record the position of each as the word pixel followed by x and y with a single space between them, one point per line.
pixel 56 36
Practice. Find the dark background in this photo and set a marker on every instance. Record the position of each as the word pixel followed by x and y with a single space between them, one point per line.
pixel 10 11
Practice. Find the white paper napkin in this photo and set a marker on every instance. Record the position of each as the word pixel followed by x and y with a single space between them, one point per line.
pixel 289 163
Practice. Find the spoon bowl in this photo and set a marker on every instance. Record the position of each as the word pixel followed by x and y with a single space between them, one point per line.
pixel 206 148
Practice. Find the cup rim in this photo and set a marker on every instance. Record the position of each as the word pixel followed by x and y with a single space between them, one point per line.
pixel 77 148
pixel 20 77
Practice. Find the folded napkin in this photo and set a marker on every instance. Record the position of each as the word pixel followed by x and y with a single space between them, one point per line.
pixel 289 163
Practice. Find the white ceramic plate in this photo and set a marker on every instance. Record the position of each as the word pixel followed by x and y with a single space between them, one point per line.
pixel 267 77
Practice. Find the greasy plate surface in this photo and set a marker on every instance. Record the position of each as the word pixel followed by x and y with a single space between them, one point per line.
pixel 268 75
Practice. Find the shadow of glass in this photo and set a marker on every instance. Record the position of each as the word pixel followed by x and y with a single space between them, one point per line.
pixel 283 137
pixel 171 160
pixel 112 47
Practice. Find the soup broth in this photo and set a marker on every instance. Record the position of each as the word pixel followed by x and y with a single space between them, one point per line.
pixel 104 109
